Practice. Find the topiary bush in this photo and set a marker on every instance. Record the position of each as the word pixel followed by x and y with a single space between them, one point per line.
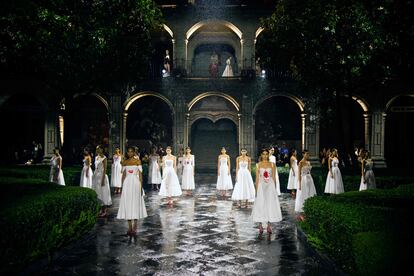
pixel 340 225
pixel 42 219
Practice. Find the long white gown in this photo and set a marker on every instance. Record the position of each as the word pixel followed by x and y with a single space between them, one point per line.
pixel 244 187
pixel 170 186
pixel 188 173
pixel 307 188
pixel 272 159
pixel 86 181
pixel 103 192
pixel 54 166
pixel 228 71
pixel 154 174
pixel 334 185
pixel 293 176
pixel 132 204
pixel 369 176
pixel 266 207
pixel 116 174
pixel 224 181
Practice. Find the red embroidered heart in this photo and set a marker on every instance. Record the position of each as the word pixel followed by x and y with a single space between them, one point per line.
pixel 266 174
pixel 131 171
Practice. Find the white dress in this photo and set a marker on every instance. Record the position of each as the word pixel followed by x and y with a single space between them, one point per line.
pixel 188 173
pixel 334 185
pixel 180 168
pixel 170 186
pixel 228 71
pixel 116 174
pixel 154 174
pixel 293 176
pixel 369 177
pixel 244 187
pixel 54 166
pixel 224 181
pixel 272 159
pixel 86 181
pixel 103 192
pixel 266 207
pixel 307 188
pixel 132 204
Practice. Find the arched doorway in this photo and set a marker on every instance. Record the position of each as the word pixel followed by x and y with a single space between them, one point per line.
pixel 213 121
pixel 86 126
pixel 149 123
pixel 278 123
pixel 207 139
pixel 342 125
pixel 161 41
pixel 208 39
pixel 22 120
pixel 398 125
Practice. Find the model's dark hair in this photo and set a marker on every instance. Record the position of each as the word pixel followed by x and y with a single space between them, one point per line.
pixel 305 151
pixel 168 147
pixel 187 147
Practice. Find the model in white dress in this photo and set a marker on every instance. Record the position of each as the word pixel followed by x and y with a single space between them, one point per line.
pixel 244 187
pixel 56 173
pixel 180 166
pixel 188 183
pixel 170 186
pixel 293 173
pixel 306 187
pixel 368 177
pixel 132 205
pixel 154 172
pixel 266 208
pixel 334 184
pixel 272 159
pixel 116 174
pixel 100 181
pixel 86 175
pixel 228 71
pixel 224 181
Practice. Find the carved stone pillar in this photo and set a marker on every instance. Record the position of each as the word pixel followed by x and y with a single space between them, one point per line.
pixel 378 139
pixel 312 138
pixel 51 132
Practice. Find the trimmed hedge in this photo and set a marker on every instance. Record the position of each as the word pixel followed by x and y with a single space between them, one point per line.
pixel 351 229
pixel 43 218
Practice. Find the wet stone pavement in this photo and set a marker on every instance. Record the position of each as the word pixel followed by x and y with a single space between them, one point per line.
pixel 201 235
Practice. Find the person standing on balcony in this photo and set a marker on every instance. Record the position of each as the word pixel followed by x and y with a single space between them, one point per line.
pixel 228 71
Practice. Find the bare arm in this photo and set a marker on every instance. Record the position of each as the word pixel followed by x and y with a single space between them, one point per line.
pixel 249 165
pixel 104 163
pixel 330 166
pixel 300 175
pixel 273 172
pixel 237 165
pixel 60 163
pixel 139 172
pixel 291 165
pixel 257 176
pixel 228 162
pixel 218 166
pixel 362 169
pixel 193 160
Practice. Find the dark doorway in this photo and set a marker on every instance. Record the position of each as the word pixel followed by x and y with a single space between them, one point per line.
pixel 207 139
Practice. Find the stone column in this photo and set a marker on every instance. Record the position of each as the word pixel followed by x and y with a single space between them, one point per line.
pixel 378 139
pixel 179 123
pixel 186 129
pixel 51 133
pixel 312 138
pixel 240 131
pixel 174 53
pixel 303 116
pixel 115 123
pixel 123 131
pixel 367 120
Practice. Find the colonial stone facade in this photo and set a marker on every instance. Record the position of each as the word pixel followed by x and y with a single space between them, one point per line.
pixel 192 96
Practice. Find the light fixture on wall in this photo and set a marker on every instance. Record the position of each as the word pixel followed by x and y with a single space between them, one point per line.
pixel 263 74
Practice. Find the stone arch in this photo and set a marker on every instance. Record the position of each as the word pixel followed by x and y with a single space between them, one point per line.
pixel 392 100
pixel 169 31
pixel 200 24
pixel 127 104
pixel 257 33
pixel 218 94
pixel 96 95
pixel 362 102
pixel 139 95
pixel 295 99
pixel 189 47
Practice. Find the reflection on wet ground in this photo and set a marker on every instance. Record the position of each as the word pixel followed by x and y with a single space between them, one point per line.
pixel 201 235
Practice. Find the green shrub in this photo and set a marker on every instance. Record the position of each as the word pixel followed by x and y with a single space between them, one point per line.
pixel 36 224
pixel 333 225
